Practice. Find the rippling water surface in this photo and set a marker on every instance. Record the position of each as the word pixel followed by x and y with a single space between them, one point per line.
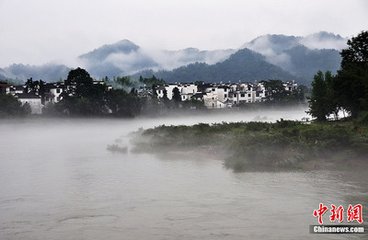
pixel 58 181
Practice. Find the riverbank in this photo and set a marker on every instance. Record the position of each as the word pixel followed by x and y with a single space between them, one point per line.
pixel 261 146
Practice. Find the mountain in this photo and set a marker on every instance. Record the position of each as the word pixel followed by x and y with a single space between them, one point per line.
pixel 169 60
pixel 305 62
pixel 46 72
pixel 125 57
pixel 324 40
pixel 301 56
pixel 101 53
pixel 244 65
pixel 2 74
pixel 121 58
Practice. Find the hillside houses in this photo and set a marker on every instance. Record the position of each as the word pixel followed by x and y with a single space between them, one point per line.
pixel 220 95
pixel 38 94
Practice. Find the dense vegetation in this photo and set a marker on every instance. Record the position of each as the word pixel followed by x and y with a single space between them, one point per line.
pixel 11 107
pixel 348 89
pixel 84 98
pixel 283 145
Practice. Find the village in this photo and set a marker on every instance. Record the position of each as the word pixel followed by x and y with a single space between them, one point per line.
pixel 39 94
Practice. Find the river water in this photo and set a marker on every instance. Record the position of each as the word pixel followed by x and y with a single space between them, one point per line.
pixel 58 181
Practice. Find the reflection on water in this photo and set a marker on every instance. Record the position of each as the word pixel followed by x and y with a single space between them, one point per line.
pixel 59 182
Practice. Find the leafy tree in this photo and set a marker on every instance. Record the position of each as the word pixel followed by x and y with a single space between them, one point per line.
pixel 351 83
pixel 164 97
pixel 124 81
pixel 10 106
pixel 152 81
pixel 276 90
pixel 331 94
pixel 176 95
pixel 123 104
pixel 320 103
pixel 78 82
pixel 82 97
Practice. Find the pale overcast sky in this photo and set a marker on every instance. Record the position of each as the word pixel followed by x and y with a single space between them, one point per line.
pixel 42 31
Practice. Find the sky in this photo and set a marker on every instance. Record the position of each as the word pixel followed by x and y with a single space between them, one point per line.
pixel 57 31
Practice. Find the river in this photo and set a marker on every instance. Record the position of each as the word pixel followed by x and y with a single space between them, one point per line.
pixel 58 181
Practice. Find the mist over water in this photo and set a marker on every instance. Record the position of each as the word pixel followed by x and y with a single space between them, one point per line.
pixel 58 181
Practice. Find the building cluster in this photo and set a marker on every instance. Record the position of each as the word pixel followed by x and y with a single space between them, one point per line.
pixel 38 93
pixel 221 95
pixel 215 95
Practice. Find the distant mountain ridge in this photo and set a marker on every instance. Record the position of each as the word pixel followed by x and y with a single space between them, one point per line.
pixel 298 56
pixel 243 65
pixel 21 72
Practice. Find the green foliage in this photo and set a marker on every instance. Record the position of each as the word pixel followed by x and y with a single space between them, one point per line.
pixel 176 95
pixel 83 97
pixel 152 81
pixel 278 94
pixel 349 89
pixel 322 101
pixel 81 80
pixel 124 81
pixel 11 107
pixel 263 146
pixel 122 103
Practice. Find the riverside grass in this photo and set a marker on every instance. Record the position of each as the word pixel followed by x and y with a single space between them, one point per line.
pixel 262 146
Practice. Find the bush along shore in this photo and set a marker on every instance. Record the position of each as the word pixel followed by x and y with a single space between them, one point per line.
pixel 261 146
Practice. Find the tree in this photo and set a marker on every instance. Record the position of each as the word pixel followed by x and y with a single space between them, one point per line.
pixel 152 81
pixel 320 105
pixel 78 82
pixel 123 104
pixel 82 97
pixel 351 83
pixel 176 94
pixel 124 82
pixel 276 90
pixel 10 106
pixel 331 94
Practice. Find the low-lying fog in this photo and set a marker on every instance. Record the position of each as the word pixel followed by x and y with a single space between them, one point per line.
pixel 58 181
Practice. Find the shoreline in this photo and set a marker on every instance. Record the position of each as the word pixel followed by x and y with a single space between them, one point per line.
pixel 284 145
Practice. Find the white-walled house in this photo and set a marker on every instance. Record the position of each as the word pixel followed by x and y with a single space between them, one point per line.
pixel 33 100
pixel 247 93
pixel 186 91
pixel 56 93
pixel 211 101
pixel 221 95
pixel 222 92
pixel 53 92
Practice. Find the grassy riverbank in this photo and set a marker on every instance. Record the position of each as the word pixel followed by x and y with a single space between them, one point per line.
pixel 259 146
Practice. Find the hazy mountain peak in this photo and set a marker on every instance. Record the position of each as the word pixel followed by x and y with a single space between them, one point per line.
pixel 324 40
pixel 123 46
pixel 271 44
pixel 323 35
pixel 191 50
